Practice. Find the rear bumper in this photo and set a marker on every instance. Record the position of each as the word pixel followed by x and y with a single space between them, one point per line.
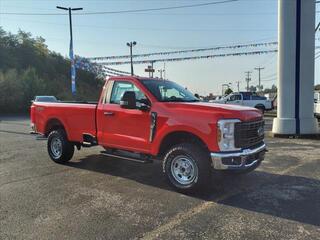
pixel 241 160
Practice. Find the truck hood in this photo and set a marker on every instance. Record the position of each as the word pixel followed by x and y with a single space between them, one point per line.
pixel 225 110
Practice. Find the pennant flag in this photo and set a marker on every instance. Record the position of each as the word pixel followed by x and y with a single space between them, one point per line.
pixel 73 70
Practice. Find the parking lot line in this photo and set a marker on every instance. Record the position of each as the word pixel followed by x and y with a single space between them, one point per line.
pixel 181 217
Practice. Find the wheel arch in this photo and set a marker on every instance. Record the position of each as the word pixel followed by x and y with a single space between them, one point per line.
pixel 53 124
pixel 176 137
pixel 260 105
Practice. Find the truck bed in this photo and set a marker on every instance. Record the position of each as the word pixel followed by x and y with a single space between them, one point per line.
pixel 78 118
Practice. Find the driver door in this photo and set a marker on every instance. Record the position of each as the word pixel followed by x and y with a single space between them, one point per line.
pixel 125 128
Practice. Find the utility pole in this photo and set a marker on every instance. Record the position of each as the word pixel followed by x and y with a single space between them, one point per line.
pixel 161 71
pixel 248 79
pixel 238 85
pixel 73 69
pixel 152 68
pixel 164 70
pixel 259 70
pixel 130 45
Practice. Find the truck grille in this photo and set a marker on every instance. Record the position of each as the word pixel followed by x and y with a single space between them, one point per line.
pixel 249 134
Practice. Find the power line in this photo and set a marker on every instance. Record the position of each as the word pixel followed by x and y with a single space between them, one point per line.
pixel 208 46
pixel 119 28
pixel 271 75
pixel 116 70
pixel 127 11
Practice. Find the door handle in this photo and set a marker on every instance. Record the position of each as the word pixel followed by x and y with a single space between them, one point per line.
pixel 108 113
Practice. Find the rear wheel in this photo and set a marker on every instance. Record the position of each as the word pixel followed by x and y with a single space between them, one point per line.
pixel 59 148
pixel 187 167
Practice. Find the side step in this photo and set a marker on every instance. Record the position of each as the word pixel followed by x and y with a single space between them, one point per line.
pixel 89 140
pixel 138 160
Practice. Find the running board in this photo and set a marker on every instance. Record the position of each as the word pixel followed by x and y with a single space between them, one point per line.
pixel 104 153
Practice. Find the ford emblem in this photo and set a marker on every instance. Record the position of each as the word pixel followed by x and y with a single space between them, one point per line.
pixel 260 131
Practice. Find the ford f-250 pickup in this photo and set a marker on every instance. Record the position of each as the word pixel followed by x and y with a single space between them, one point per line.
pixel 143 119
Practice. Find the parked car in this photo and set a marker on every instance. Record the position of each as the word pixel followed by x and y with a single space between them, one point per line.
pixel 45 99
pixel 317 104
pixel 143 119
pixel 247 99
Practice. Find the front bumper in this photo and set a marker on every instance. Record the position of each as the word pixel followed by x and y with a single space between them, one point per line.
pixel 241 160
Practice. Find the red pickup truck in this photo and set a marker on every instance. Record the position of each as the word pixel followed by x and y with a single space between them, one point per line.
pixel 143 119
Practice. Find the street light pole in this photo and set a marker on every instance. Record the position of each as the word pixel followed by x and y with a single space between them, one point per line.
pixel 130 45
pixel 238 85
pixel 73 70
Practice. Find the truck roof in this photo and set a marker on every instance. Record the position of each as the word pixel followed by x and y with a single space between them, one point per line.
pixel 132 78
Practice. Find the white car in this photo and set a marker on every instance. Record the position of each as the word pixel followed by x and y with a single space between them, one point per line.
pixel 247 99
pixel 317 104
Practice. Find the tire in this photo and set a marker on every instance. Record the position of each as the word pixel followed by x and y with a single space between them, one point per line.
pixel 59 148
pixel 187 167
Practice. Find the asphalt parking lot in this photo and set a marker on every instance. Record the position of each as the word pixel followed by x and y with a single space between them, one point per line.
pixel 94 197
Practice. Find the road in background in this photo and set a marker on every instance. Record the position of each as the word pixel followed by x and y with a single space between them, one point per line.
pixel 104 198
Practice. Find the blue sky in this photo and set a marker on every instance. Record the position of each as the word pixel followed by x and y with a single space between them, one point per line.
pixel 244 21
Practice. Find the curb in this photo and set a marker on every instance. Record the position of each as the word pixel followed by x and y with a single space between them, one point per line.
pixel 292 136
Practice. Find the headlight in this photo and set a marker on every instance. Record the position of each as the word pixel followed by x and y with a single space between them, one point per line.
pixel 225 135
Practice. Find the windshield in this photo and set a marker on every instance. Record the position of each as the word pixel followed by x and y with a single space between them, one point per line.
pixel 167 91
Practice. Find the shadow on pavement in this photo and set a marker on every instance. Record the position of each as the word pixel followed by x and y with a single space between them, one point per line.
pixel 289 197
pixel 15 132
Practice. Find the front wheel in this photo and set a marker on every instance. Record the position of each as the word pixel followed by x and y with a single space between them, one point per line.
pixel 187 167
pixel 59 148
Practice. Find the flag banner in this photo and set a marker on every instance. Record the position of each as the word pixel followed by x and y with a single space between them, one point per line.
pixel 266 44
pixel 115 70
pixel 87 65
pixel 73 70
pixel 190 58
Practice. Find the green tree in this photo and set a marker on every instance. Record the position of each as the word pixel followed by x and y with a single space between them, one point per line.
pixel 28 68
pixel 11 92
pixel 228 91
pixel 252 89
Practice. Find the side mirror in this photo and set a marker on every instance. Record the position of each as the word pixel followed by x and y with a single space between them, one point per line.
pixel 128 100
pixel 143 105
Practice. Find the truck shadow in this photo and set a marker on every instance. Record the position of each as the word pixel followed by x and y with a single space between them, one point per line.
pixel 290 197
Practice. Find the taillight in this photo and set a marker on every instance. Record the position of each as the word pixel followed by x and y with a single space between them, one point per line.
pixel 32 114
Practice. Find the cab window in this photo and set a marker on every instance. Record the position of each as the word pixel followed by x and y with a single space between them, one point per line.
pixel 119 88
pixel 235 97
